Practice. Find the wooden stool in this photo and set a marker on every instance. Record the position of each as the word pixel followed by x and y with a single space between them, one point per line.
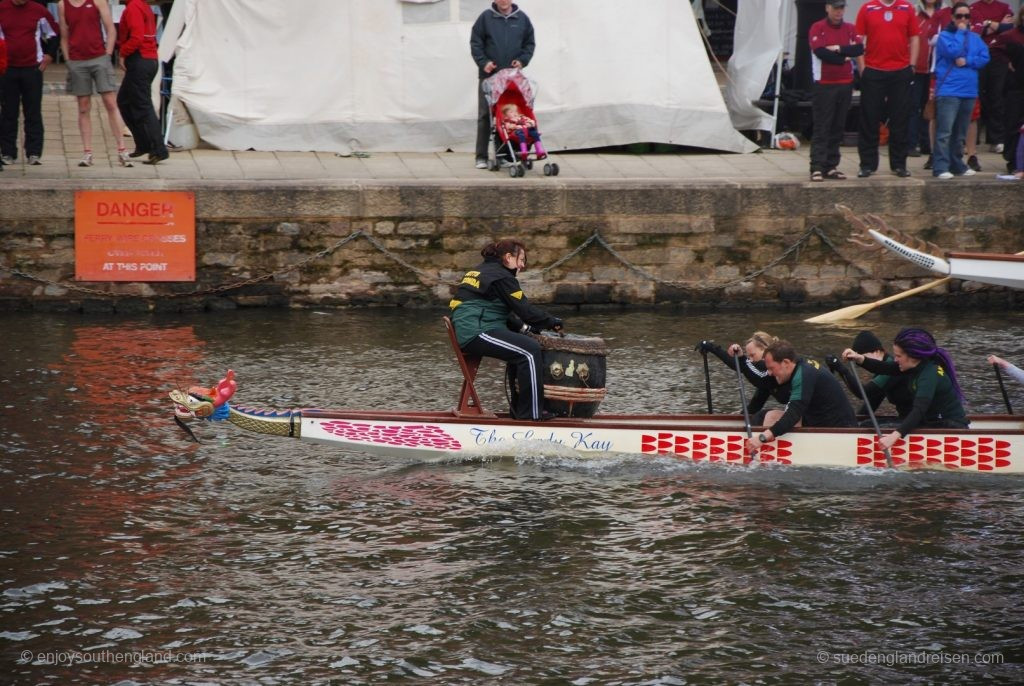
pixel 469 401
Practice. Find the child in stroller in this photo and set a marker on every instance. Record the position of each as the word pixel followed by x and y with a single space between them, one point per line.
pixel 510 97
pixel 523 129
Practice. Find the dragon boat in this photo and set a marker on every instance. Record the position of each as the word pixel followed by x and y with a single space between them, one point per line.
pixel 994 443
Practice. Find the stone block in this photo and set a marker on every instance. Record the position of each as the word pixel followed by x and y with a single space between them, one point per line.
pixel 654 225
pixel 59 256
pixel 833 271
pixel 612 273
pixel 792 291
pixel 416 228
pixel 421 201
pixel 275 243
pixel 286 201
pixel 743 289
pixel 342 227
pixel 636 198
pixel 53 291
pixel 725 273
pixel 218 259
pixel 569 293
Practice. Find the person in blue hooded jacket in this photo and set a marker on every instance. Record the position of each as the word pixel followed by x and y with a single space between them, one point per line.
pixel 960 54
pixel 502 37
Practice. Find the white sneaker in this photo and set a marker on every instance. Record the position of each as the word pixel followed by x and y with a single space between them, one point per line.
pixel 7 159
pixel 34 160
pixel 86 160
pixel 481 164
pixel 969 172
pixel 998 148
pixel 944 175
pixel 123 159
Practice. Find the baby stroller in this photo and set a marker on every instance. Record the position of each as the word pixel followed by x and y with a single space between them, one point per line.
pixel 504 87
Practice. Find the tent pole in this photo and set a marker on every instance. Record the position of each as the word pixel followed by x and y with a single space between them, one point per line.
pixel 784 33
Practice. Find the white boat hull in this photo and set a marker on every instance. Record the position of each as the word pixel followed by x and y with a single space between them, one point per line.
pixel 996 446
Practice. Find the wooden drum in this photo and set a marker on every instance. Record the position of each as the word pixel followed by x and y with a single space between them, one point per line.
pixel 573 373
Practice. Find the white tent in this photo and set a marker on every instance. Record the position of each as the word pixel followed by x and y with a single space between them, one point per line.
pixel 396 75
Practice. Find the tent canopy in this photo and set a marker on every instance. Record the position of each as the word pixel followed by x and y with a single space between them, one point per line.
pixel 396 75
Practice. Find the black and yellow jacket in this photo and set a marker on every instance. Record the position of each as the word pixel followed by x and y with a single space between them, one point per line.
pixel 486 296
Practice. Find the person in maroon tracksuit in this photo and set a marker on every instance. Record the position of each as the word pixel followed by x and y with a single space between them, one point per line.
pixel 835 47
pixel 138 58
pixel 3 70
pixel 988 19
pixel 31 36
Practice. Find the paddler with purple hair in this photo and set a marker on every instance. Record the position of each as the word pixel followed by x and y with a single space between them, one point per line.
pixel 938 399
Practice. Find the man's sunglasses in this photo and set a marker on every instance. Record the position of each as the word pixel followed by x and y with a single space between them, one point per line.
pixel 962 16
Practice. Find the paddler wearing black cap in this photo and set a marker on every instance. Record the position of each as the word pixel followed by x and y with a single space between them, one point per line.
pixel 891 387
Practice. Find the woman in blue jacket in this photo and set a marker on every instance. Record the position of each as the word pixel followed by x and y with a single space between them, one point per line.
pixel 960 55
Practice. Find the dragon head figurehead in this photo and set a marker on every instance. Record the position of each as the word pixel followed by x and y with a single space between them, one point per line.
pixel 201 403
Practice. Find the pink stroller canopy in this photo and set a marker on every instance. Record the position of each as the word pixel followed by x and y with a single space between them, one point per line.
pixel 499 82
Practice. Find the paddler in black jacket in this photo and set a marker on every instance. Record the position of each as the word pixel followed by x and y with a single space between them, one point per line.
pixel 931 376
pixel 752 368
pixel 815 397
pixel 893 387
pixel 486 301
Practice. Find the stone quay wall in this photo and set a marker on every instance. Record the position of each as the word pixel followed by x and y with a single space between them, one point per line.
pixel 335 244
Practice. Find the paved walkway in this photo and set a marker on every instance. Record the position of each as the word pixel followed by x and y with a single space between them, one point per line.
pixel 63 149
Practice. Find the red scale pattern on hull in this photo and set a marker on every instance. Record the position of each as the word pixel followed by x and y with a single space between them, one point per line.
pixel 982 453
pixel 409 436
pixel 713 448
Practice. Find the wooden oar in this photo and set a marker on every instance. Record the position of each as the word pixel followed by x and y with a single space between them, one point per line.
pixel 854 311
pixel 743 399
pixel 1006 398
pixel 871 412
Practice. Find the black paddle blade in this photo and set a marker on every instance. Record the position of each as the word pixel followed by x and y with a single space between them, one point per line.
pixel 183 425
pixel 1006 398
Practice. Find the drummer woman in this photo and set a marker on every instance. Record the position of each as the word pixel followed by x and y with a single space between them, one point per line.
pixel 484 304
pixel 938 400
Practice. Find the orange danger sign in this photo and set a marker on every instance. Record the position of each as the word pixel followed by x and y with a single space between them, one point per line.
pixel 135 236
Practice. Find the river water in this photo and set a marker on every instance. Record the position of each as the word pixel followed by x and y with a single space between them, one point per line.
pixel 130 555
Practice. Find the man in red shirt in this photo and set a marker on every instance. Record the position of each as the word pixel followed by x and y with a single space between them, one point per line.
pixel 26 26
pixel 87 38
pixel 990 18
pixel 834 47
pixel 139 60
pixel 890 33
